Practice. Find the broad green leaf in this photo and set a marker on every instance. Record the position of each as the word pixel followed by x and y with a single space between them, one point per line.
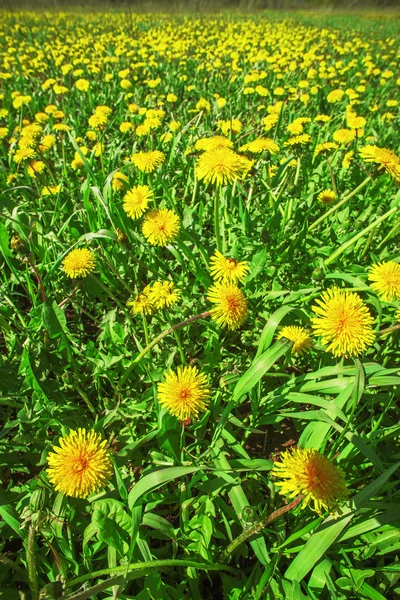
pixel 268 332
pixel 156 479
pixel 260 366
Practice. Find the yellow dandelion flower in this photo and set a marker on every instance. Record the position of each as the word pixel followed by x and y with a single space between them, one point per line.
pixel 147 162
pixel 160 226
pixel 383 158
pixel 163 294
pixel 216 141
pixel 386 280
pixel 325 147
pixel 299 140
pixel 51 190
pixel 231 126
pixel 136 200
pixel 118 181
pixel 221 166
pixel 46 143
pixel 327 197
pixel 142 303
pixel 344 323
pixel 23 154
pixel 37 166
pixel 230 305
pixel 299 336
pixel 185 393
pixel 79 263
pixel 344 136
pixel 80 465
pixel 270 121
pixel 260 145
pixel 228 270
pixel 347 159
pixel 335 96
pixel 203 105
pixel 125 127
pixel 307 472
pixel 355 122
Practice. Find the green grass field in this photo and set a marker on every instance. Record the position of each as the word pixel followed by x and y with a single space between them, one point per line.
pixel 199 306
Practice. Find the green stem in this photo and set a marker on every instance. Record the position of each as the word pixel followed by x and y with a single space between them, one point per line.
pixel 339 204
pixel 388 330
pixel 31 563
pixel 154 564
pixel 85 398
pixel 245 535
pixel 354 239
pixel 158 339
pixel 146 329
pixel 217 199
pixel 39 279
pixel 367 245
pixel 180 347
pixel 328 162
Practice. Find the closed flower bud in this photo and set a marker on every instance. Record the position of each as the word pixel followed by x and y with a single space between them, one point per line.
pixel 38 499
pixel 17 244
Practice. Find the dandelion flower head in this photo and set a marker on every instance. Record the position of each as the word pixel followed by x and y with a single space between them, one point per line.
pixel 307 472
pixel 227 269
pixel 80 465
pixel 148 161
pixel 260 145
pixel 142 304
pixel 230 308
pixel 160 226
pixel 163 294
pixel 344 323
pixel 136 201
pixel 386 280
pixel 299 336
pixel 222 165
pixel 326 197
pixel 216 141
pixel 79 263
pixel 185 393
pixel 383 158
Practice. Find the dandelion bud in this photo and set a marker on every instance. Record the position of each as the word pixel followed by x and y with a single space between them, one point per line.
pixel 17 244
pixel 38 499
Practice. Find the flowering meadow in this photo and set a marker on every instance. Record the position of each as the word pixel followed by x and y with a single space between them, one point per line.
pixel 199 306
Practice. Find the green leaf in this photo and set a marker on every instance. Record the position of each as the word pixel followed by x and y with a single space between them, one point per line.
pixel 268 332
pixel 156 479
pixel 54 319
pixel 259 367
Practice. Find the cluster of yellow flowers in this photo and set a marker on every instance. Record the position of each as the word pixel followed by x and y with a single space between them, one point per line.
pixel 295 95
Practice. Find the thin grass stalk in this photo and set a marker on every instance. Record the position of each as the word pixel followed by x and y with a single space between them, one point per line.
pixel 339 204
pixel 354 239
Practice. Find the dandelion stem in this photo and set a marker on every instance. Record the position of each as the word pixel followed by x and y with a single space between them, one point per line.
pixel 245 535
pixel 68 298
pixel 339 204
pixel 217 199
pixel 146 329
pixel 39 279
pixel 355 238
pixel 328 162
pixel 388 330
pixel 158 339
